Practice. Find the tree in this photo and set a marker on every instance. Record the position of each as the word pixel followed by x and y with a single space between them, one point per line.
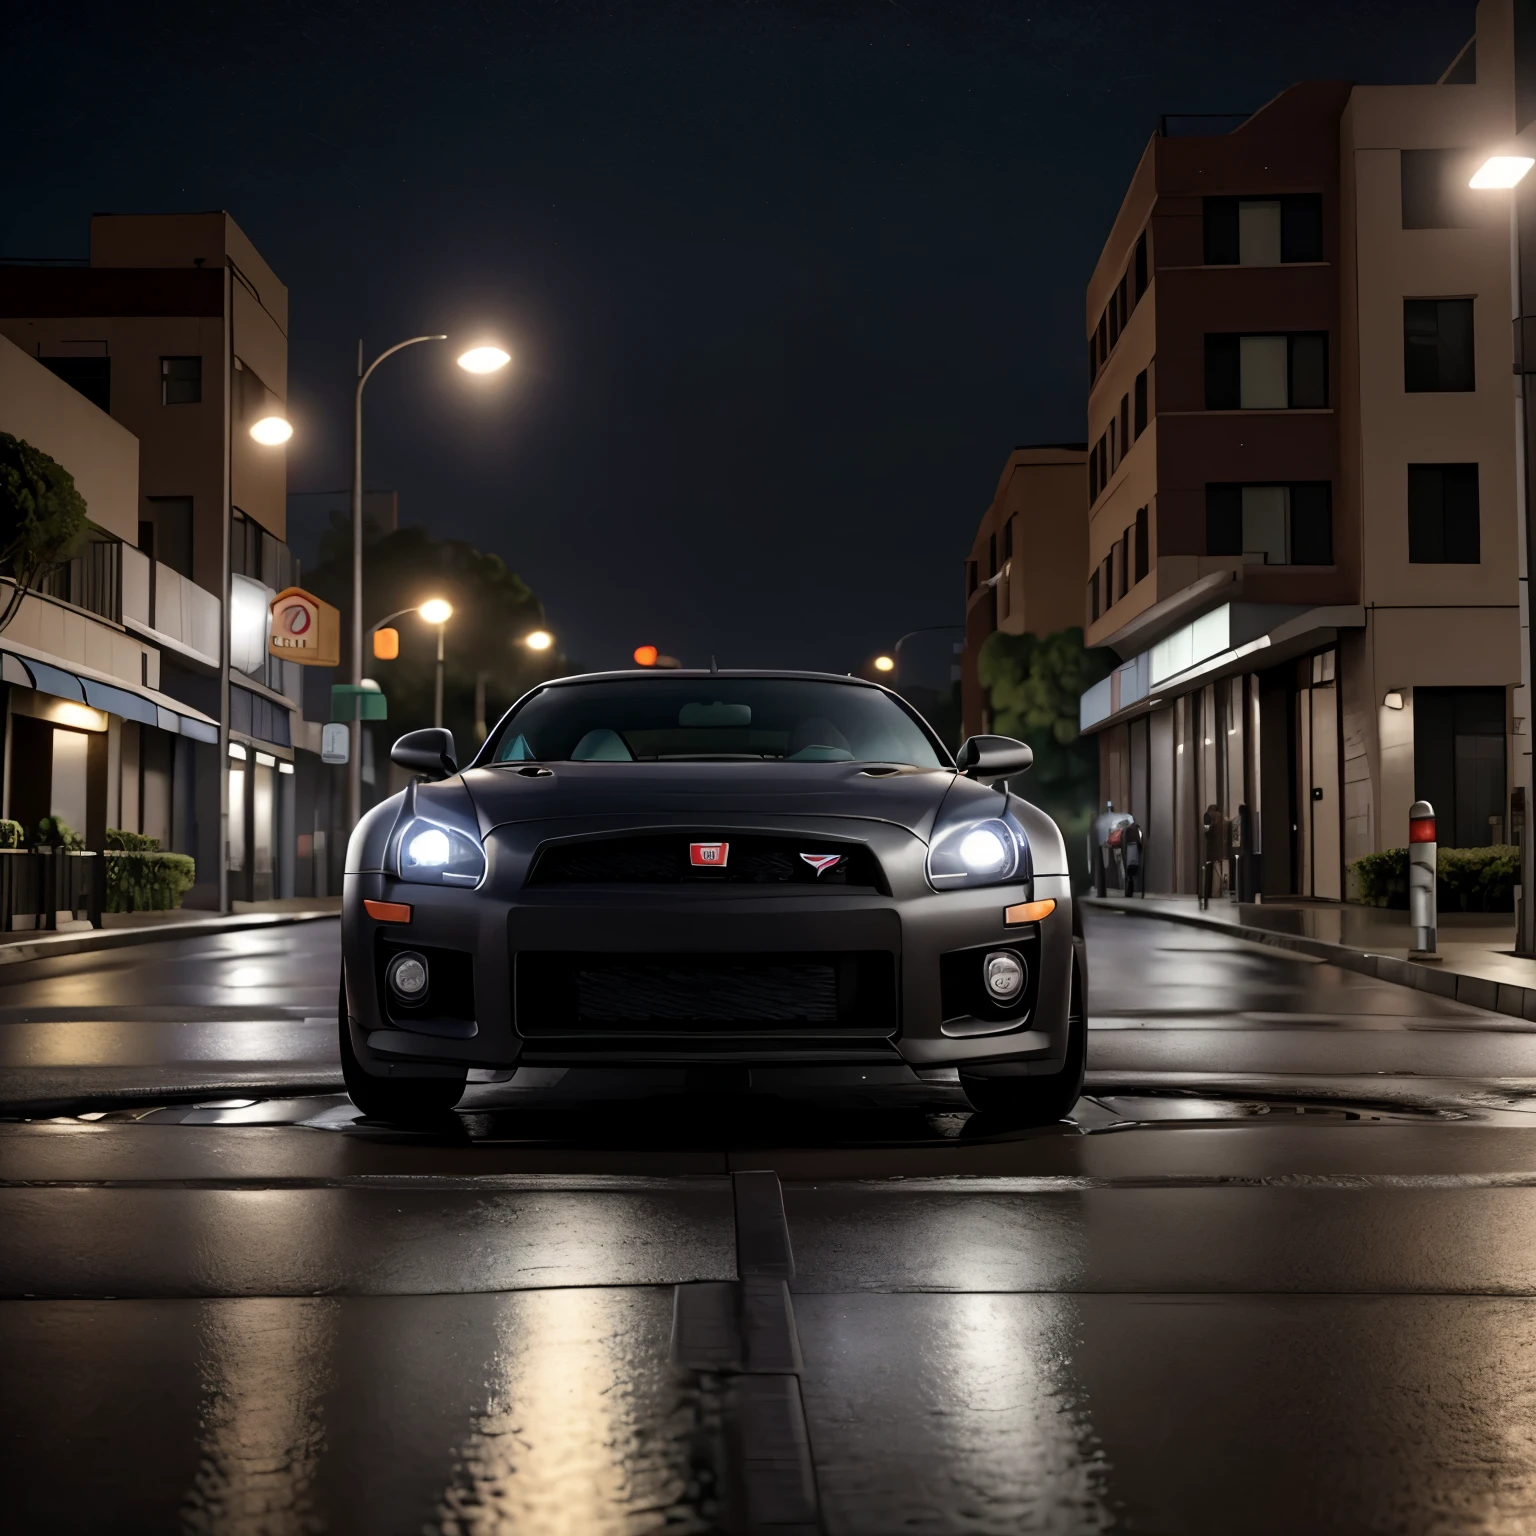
pixel 42 518
pixel 492 609
pixel 1034 684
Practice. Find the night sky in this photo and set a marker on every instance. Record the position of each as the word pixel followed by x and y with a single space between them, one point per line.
pixel 784 282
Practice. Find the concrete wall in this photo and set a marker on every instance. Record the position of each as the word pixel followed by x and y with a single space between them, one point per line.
pixel 102 455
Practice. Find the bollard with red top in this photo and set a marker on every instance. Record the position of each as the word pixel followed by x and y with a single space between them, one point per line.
pixel 1422 848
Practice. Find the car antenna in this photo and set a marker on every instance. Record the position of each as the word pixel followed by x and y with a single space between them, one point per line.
pixel 714 671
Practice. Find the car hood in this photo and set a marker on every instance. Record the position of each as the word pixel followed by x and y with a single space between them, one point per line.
pixel 905 797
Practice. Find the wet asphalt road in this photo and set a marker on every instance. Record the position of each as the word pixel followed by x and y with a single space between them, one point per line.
pixel 1277 1274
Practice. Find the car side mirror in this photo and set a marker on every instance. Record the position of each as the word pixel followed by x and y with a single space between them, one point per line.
pixel 990 758
pixel 430 752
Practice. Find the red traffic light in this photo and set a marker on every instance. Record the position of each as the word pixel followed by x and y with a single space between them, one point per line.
pixel 645 655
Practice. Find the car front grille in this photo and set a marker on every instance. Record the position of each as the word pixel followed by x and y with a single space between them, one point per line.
pixel 630 995
pixel 663 859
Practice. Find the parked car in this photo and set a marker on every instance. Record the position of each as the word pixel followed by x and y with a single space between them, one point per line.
pixel 780 870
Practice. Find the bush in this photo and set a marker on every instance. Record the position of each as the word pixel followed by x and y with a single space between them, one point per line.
pixel 1467 879
pixel 140 878
pixel 55 832
pixel 11 834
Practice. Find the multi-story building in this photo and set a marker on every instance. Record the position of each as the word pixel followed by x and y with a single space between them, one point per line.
pixel 1302 479
pixel 81 681
pixel 177 327
pixel 1025 564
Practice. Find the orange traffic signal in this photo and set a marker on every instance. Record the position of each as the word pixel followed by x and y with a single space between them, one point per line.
pixel 645 655
pixel 386 644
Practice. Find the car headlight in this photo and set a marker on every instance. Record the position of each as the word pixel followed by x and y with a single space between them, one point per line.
pixel 434 853
pixel 985 850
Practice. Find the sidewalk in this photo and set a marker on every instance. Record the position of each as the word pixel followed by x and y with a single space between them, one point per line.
pixel 122 928
pixel 1478 967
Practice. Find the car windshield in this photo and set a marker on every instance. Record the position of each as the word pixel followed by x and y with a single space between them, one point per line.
pixel 662 719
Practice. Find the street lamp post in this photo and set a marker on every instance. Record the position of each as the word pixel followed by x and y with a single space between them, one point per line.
pixel 438 612
pixel 927 629
pixel 483 359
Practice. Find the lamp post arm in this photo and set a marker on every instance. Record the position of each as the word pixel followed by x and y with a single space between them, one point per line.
pixel 355 763
pixel 926 629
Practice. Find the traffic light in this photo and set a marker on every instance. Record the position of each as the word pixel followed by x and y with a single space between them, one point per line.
pixel 386 644
pixel 645 655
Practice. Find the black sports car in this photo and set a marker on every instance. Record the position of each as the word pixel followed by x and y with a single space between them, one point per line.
pixel 780 871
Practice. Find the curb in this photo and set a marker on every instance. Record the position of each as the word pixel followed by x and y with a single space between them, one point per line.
pixel 1476 991
pixel 118 938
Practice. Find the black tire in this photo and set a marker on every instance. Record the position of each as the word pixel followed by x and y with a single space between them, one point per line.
pixel 399 1099
pixel 1013 1102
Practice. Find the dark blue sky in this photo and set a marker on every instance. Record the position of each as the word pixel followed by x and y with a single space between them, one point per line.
pixel 785 281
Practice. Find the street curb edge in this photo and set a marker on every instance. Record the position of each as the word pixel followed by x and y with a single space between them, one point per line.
pixel 118 938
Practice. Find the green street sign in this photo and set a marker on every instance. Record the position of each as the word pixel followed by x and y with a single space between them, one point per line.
pixel 360 701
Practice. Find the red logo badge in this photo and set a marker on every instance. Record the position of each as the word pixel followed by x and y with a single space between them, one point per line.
pixel 709 855
pixel 821 862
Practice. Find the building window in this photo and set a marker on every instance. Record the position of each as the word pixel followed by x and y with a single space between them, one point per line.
pixel 181 380
pixel 1093 475
pixel 1107 578
pixel 1114 456
pixel 1125 424
pixel 1263 232
pixel 1458 762
pixel 991 554
pixel 1093 358
pixel 1113 312
pixel 1271 524
pixel 89 376
pixel 1139 268
pixel 1143 553
pixel 1103 338
pixel 1141 402
pixel 1266 373
pixel 1437 345
pixel 971 577
pixel 1093 596
pixel 1008 541
pixel 166 534
pixel 1436 194
pixel 1121 300
pixel 1123 563
pixel 1442 514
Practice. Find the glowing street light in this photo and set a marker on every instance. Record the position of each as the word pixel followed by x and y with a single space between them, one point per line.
pixel 539 640
pixel 885 664
pixel 436 611
pixel 484 359
pixel 272 431
pixel 1501 171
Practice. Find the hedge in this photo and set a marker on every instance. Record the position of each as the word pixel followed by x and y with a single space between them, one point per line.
pixel 140 878
pixel 1468 879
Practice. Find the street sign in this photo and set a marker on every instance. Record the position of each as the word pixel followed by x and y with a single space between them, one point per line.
pixel 335 740
pixel 305 629
pixel 361 701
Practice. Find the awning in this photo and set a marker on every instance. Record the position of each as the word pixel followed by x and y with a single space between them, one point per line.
pixel 148 706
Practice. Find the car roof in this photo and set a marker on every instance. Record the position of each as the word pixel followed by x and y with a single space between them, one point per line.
pixel 704 672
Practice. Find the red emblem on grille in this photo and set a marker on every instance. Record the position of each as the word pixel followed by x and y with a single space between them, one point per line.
pixel 821 862
pixel 709 855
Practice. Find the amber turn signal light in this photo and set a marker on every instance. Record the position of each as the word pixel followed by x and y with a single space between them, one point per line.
pixel 399 912
pixel 1025 912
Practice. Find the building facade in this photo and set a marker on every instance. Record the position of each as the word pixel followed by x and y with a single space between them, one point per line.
pixel 1303 505
pixel 176 328
pixel 1023 570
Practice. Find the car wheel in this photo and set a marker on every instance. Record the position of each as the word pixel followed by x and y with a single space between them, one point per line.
pixel 1012 1102
pixel 392 1098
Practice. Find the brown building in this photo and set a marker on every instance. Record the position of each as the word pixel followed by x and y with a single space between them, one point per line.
pixel 1023 571
pixel 178 329
pixel 1302 524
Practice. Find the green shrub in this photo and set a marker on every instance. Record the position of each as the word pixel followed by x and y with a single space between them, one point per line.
pixel 1467 879
pixel 11 834
pixel 140 878
pixel 55 832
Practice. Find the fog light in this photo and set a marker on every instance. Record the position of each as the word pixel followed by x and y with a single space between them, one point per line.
pixel 407 976
pixel 1004 974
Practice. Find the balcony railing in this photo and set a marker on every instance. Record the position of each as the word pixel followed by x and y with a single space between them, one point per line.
pixel 92 580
